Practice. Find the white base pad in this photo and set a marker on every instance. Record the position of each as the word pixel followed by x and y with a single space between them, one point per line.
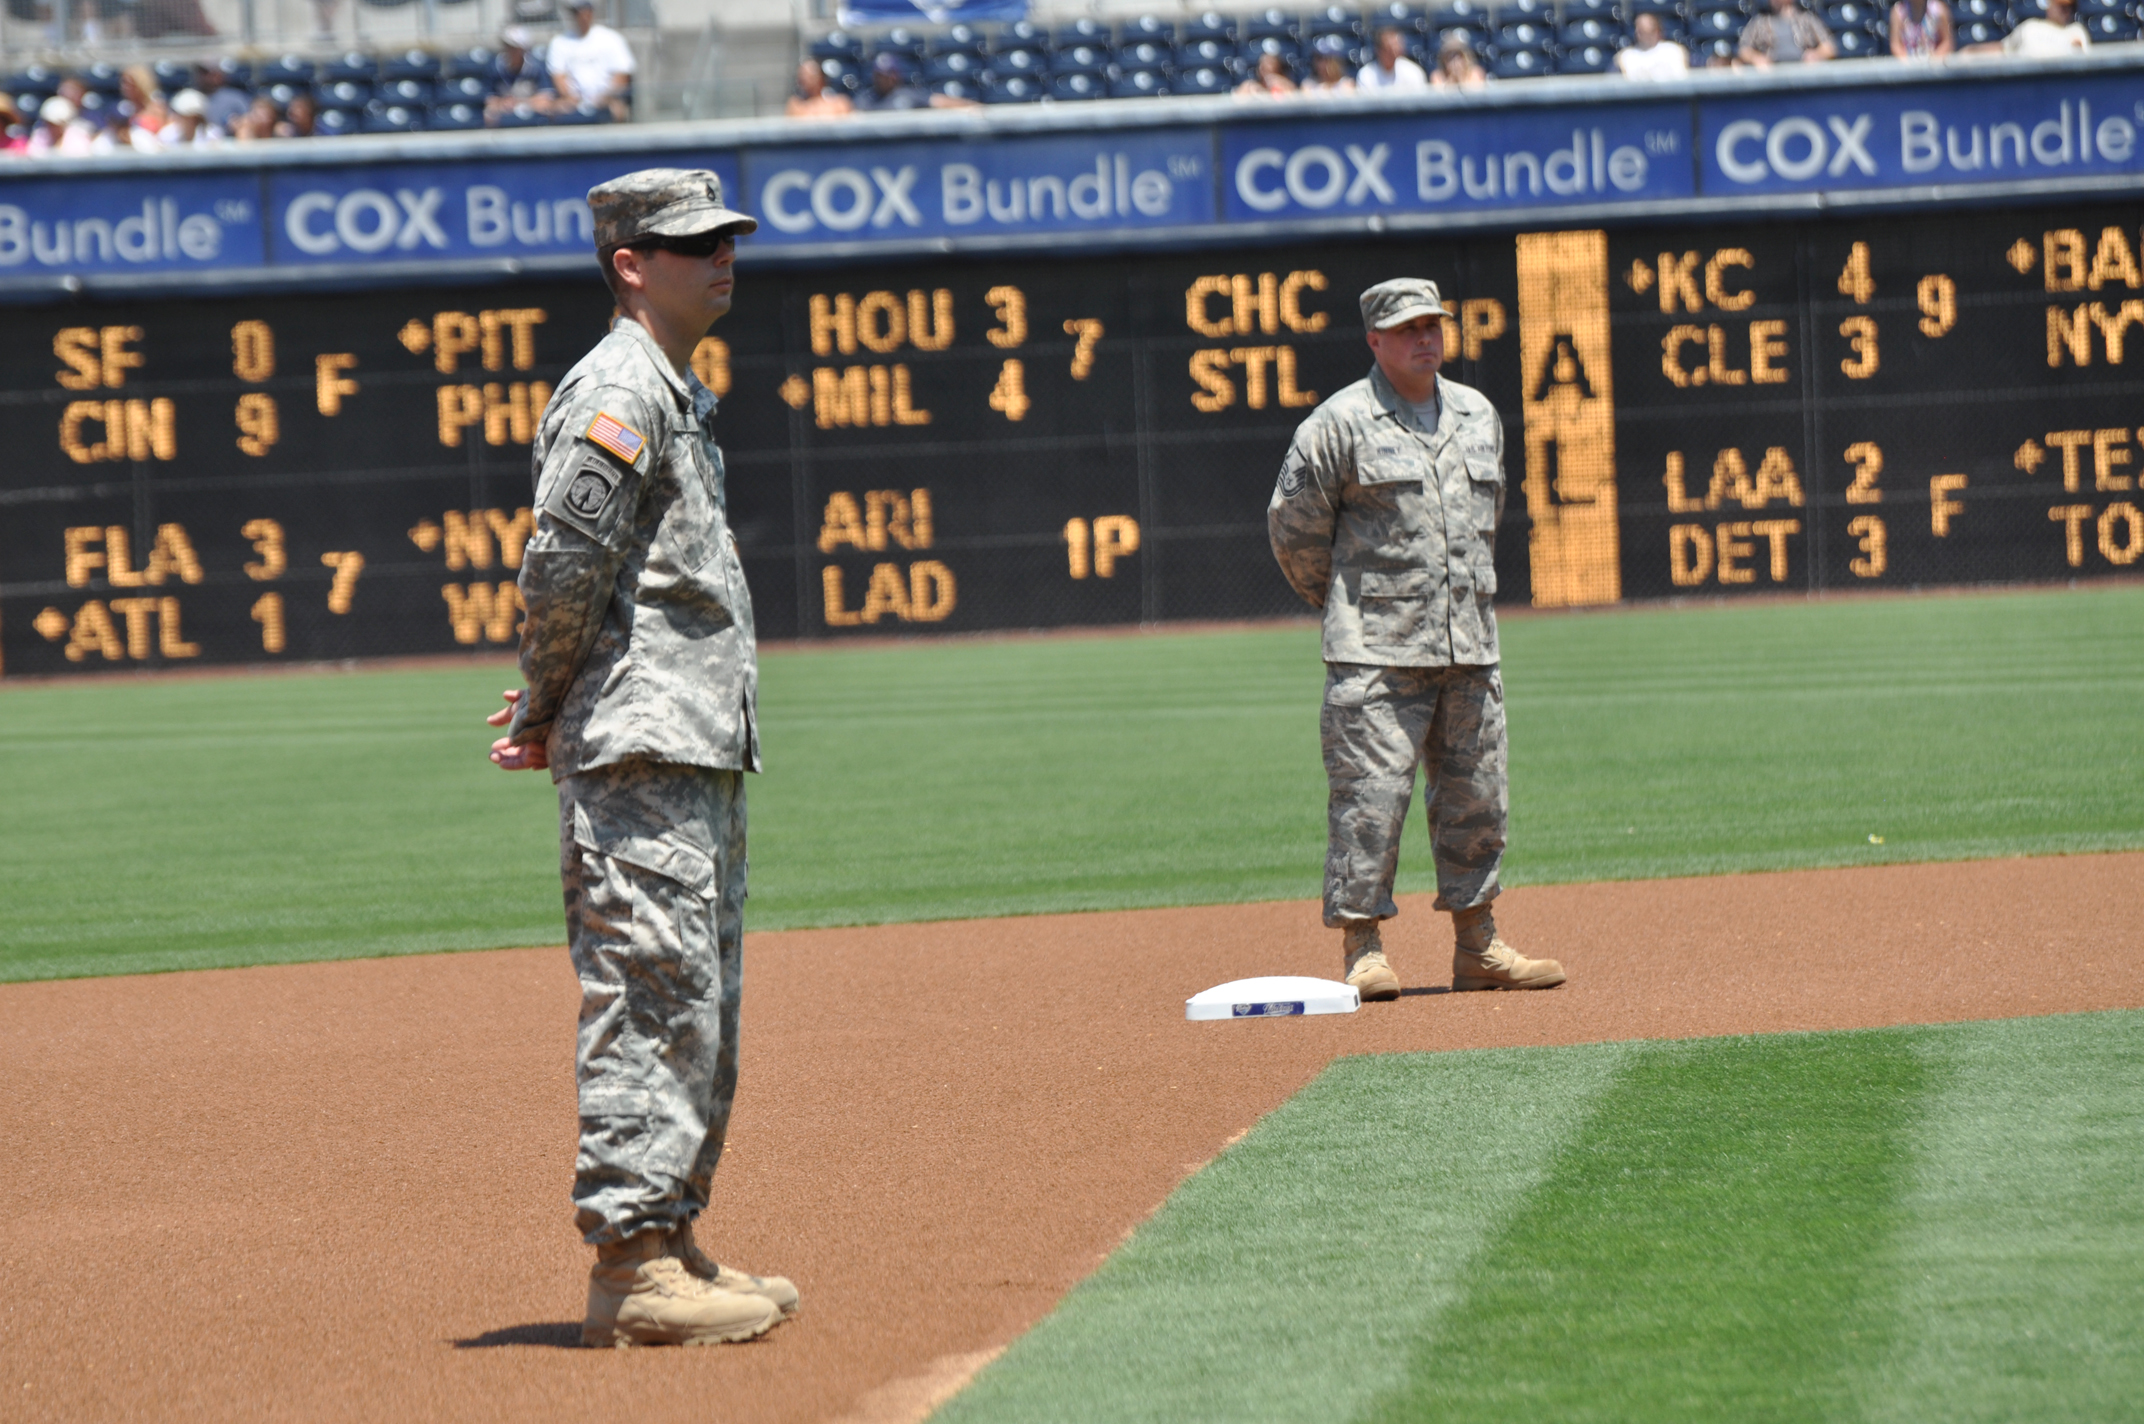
pixel 1274 996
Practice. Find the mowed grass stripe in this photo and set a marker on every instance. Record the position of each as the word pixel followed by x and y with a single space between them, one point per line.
pixel 1291 1278
pixel 160 824
pixel 1704 1249
pixel 1931 1223
pixel 2020 1284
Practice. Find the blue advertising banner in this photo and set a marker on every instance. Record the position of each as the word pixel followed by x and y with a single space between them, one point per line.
pixel 1446 162
pixel 411 212
pixel 1062 183
pixel 52 227
pixel 2073 126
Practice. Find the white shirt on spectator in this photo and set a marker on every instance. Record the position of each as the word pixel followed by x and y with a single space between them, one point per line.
pixel 590 60
pixel 2037 39
pixel 1665 60
pixel 1406 74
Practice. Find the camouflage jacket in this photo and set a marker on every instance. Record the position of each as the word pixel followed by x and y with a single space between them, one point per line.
pixel 1391 528
pixel 639 639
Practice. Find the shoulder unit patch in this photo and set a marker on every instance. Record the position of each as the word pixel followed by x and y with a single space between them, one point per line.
pixel 616 436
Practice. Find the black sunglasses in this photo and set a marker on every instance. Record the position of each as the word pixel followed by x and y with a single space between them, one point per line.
pixel 699 244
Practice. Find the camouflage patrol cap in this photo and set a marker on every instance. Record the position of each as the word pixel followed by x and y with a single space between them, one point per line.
pixel 1401 300
pixel 662 202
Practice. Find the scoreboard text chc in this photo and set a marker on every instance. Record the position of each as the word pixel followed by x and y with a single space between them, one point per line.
pixel 1707 410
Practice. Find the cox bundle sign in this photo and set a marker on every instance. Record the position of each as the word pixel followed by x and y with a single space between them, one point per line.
pixel 99 226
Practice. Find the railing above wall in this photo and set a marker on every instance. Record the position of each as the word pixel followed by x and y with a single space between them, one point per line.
pixel 1129 175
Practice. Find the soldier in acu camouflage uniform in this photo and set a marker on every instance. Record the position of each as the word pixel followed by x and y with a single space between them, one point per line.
pixel 642 674
pixel 1385 516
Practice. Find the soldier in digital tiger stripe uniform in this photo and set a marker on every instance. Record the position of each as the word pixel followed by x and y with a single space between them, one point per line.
pixel 1384 516
pixel 639 655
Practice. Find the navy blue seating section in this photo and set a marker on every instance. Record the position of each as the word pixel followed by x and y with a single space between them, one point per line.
pixel 409 92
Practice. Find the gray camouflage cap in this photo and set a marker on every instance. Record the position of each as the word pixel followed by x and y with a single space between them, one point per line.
pixel 662 202
pixel 1401 300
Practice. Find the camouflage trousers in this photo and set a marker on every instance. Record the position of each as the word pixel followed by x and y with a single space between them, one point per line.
pixel 653 858
pixel 1378 725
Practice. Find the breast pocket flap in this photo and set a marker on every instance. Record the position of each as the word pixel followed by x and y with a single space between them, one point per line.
pixel 1395 583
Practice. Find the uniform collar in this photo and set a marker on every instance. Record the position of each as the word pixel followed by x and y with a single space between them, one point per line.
pixel 1401 410
pixel 625 325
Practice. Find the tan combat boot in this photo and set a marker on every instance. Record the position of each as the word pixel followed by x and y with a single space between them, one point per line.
pixel 1480 960
pixel 1363 954
pixel 775 1288
pixel 637 1295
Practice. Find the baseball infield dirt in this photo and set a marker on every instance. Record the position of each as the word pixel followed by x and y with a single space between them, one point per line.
pixel 338 1191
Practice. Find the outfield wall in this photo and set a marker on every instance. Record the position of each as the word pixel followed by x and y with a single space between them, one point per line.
pixel 1864 327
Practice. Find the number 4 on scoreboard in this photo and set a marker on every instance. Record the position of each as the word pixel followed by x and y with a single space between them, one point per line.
pixel 1854 278
pixel 1009 397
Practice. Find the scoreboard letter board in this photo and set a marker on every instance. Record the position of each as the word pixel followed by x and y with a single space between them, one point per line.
pixel 1698 411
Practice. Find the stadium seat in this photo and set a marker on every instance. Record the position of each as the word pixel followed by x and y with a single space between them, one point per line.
pixel 2110 29
pixel 291 69
pixel 1522 64
pixel 461 89
pixel 1586 59
pixel 404 93
pixel 1142 54
pixel 343 96
pixel 1080 59
pixel 392 118
pixel 99 78
pixel 1256 49
pixel 1086 30
pixel 1140 84
pixel 960 39
pixel 1400 15
pixel 904 42
pixel 1462 12
pixel 1972 32
pixel 172 75
pixel 1851 15
pixel 411 64
pixel 845 76
pixel 1022 34
pixel 1150 29
pixel 1267 24
pixel 1589 10
pixel 1204 79
pixel 1085 84
pixel 280 95
pixel 954 64
pixel 2023 10
pixel 1474 36
pixel 1523 34
pixel 1013 89
pixel 2106 7
pixel 468 64
pixel 1859 44
pixel 351 68
pixel 1209 26
pixel 38 82
pixel 1206 52
pixel 968 89
pixel 1332 20
pixel 1592 31
pixel 449 117
pixel 1514 11
pixel 838 44
pixel 1716 25
pixel 1020 63
pixel 333 123
pixel 1704 52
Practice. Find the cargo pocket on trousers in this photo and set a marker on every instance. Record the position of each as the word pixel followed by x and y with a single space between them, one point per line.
pixel 667 854
pixel 1394 605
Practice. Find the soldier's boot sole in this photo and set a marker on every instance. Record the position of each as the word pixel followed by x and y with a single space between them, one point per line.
pixel 1540 974
pixel 630 1330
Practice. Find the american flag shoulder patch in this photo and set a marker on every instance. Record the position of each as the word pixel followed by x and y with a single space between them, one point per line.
pixel 616 436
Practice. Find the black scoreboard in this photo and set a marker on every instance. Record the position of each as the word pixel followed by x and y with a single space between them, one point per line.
pixel 1030 442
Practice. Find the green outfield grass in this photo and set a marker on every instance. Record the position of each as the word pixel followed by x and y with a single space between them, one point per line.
pixel 1941 1224
pixel 160 824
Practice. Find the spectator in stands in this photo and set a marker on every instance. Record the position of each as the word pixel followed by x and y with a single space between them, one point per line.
pixel 137 86
pixel 121 136
pixel 14 134
pixel 1921 29
pixel 1651 55
pixel 892 88
pixel 2057 35
pixel 517 76
pixel 813 100
pixel 1457 68
pixel 1785 34
pixel 60 131
pixel 225 105
pixel 1328 67
pixel 189 126
pixel 298 116
pixel 258 122
pixel 1270 80
pixel 591 63
pixel 1392 69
